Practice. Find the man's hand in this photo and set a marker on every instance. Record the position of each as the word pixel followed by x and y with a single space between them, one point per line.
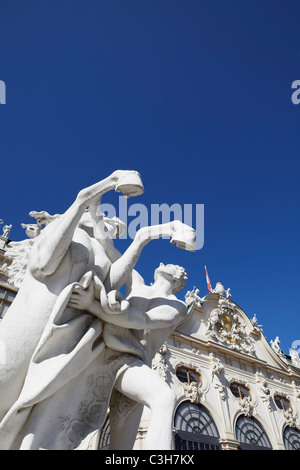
pixel 81 298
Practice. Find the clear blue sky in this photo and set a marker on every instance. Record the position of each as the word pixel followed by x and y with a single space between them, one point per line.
pixel 196 96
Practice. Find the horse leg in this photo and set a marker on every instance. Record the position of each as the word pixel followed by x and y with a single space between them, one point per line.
pixel 54 241
pixel 121 268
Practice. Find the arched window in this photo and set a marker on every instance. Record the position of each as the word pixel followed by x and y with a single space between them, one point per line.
pixel 104 435
pixel 291 438
pixel 195 428
pixel 251 434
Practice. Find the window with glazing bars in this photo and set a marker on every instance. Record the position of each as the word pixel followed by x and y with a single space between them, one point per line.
pixel 6 298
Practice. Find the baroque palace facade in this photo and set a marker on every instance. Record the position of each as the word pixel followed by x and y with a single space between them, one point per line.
pixel 234 390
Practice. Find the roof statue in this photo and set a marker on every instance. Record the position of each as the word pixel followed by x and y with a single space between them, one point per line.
pixel 295 357
pixel 6 230
pixel 4 237
pixel 256 326
pixel 275 346
pixel 219 289
pixel 192 297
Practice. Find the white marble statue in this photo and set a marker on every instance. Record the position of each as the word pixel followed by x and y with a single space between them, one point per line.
pixel 59 362
pixel 153 313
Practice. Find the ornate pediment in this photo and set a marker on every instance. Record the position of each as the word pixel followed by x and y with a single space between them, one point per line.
pixel 226 326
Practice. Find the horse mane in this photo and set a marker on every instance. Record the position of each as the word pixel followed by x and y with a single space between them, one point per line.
pixel 18 252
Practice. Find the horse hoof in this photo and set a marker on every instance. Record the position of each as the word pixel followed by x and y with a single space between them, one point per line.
pixel 130 184
pixel 185 238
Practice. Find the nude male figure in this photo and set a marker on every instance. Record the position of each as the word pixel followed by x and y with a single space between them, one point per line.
pixel 154 312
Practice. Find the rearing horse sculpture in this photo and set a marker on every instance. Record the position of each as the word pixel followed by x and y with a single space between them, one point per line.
pixel 59 256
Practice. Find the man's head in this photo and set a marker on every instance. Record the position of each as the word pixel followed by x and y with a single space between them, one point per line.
pixel 174 273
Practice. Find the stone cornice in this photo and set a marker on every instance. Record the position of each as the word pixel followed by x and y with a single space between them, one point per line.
pixel 212 346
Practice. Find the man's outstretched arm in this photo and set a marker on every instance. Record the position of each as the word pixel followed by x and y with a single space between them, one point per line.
pixel 163 316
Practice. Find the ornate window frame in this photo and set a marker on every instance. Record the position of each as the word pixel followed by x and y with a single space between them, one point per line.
pixel 194 391
pixel 247 403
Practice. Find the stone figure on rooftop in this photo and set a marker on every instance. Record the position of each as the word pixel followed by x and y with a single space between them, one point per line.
pixel 6 230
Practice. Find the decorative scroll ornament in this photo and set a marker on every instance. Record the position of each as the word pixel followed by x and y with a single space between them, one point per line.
pixel 225 326
pixel 195 390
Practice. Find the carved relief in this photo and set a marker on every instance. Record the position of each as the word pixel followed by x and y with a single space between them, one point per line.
pixel 246 406
pixel 190 377
pixel 159 363
pixel 264 391
pixel 217 370
pixel 225 326
pixel 290 418
pixel 193 391
pixel 296 390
